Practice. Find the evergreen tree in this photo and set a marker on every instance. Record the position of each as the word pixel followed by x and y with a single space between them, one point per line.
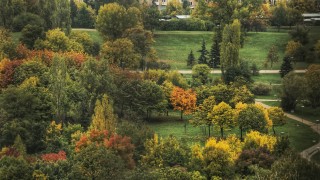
pixel 203 57
pixel 214 56
pixel 191 60
pixel 286 66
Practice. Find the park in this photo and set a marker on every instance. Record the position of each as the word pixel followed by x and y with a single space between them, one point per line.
pixel 168 89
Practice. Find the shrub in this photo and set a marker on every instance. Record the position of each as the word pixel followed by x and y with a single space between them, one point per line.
pixel 185 25
pixel 261 89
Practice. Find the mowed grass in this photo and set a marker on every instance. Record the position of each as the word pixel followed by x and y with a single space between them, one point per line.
pixel 257 45
pixel 301 136
pixel 173 47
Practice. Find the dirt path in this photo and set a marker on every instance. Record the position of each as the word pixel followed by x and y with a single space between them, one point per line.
pixel 309 152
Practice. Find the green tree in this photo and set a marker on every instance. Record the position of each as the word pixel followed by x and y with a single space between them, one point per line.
pixel 222 116
pixel 120 53
pixel 201 114
pixel 286 66
pixel 97 162
pixel 30 33
pixel 293 89
pixel 14 168
pixel 203 54
pixel 230 45
pixel 150 97
pixel 103 118
pixel 250 118
pixel 142 41
pixel 191 60
pixel 214 56
pixel 31 69
pixel 300 33
pixel 84 18
pixel 279 15
pixel 150 17
pixel 112 20
pixel 200 74
pixel 313 88
pixel 58 87
pixel 26 112
pixel 273 56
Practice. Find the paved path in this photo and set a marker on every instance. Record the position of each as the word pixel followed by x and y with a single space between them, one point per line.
pixel 309 152
pixel 261 71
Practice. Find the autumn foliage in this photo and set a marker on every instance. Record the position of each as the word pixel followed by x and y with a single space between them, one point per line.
pixel 54 157
pixel 120 144
pixel 183 100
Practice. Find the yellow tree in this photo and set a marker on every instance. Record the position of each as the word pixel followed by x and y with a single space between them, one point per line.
pixel 103 118
pixel 277 116
pixel 222 115
pixel 184 101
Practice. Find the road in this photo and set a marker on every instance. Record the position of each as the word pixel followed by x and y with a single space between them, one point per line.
pixel 261 71
pixel 309 152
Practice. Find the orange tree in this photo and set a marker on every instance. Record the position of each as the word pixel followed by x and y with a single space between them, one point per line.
pixel 184 101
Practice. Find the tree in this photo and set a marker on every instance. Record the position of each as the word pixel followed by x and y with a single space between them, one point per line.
pixel 56 40
pixel 142 41
pixel 20 21
pixel 293 89
pixel 317 48
pixel 31 69
pixel 300 33
pixel 120 53
pixel 14 168
pixel 150 97
pixel 255 139
pixel 200 74
pixel 174 7
pixel 201 114
pixel 230 45
pixel 184 101
pixel 84 18
pixel 151 16
pixel 277 116
pixel 112 20
pixel 214 60
pixel 272 56
pixel 222 115
pixel 191 60
pixel 203 56
pixel 97 162
pixel 295 51
pixel 241 94
pixel 250 117
pixel 313 88
pixel 286 66
pixel 26 112
pixel 279 15
pixel 103 118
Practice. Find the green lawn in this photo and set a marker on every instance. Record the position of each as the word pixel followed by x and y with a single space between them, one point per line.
pixel 173 47
pixel 307 113
pixel 300 135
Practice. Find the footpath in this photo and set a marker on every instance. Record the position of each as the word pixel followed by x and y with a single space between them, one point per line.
pixel 309 152
pixel 218 71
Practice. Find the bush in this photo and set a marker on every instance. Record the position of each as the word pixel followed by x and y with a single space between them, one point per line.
pixel 186 25
pixel 261 89
pixel 20 21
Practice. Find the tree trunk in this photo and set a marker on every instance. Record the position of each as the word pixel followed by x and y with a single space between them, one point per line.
pixel 181 115
pixel 221 129
pixel 241 134
pixel 274 132
pixel 209 129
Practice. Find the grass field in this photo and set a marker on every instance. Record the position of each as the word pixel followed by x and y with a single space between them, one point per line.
pixel 300 135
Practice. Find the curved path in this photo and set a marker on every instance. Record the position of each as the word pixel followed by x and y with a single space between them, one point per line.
pixel 309 152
